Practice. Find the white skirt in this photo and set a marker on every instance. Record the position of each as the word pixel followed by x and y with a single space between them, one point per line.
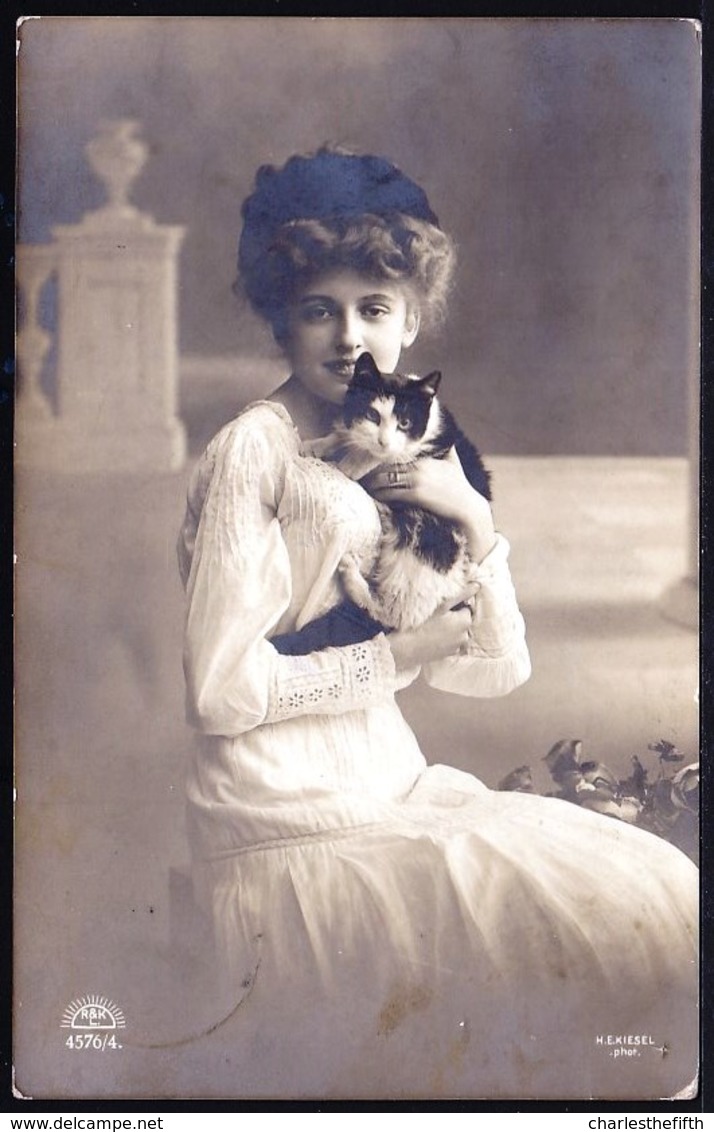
pixel 450 942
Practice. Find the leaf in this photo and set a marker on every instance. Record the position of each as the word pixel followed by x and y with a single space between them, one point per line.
pixel 636 785
pixel 667 751
pixel 663 808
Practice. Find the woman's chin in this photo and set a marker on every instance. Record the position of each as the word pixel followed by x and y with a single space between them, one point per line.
pixel 335 395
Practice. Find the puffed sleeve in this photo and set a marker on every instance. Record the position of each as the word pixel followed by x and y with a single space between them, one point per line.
pixel 496 659
pixel 238 581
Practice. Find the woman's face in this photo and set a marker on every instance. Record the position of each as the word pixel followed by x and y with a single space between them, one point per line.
pixel 336 318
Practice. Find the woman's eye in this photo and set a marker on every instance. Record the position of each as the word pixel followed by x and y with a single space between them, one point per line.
pixel 316 314
pixel 374 312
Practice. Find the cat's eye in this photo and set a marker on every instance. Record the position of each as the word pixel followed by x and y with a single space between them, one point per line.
pixel 372 415
pixel 404 422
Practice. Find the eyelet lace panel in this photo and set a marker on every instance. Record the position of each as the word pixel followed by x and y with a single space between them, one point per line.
pixel 334 680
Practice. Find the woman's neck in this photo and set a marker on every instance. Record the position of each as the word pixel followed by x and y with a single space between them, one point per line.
pixel 310 414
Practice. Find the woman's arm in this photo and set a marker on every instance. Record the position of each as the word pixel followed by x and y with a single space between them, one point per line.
pixel 495 658
pixel 488 655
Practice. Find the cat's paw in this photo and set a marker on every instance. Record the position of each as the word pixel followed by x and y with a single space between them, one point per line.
pixel 355 584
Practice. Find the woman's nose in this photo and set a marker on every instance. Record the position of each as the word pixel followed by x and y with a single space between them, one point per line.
pixel 348 333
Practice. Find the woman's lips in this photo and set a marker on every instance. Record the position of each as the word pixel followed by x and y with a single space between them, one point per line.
pixel 341 369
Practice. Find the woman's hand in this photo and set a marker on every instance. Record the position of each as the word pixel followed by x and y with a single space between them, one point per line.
pixel 444 634
pixel 439 486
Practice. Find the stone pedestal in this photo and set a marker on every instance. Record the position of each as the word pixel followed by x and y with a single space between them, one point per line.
pixel 117 359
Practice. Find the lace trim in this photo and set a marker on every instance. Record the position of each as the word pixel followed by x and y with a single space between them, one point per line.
pixel 332 681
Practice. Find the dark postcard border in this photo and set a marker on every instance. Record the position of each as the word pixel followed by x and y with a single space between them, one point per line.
pixel 11 11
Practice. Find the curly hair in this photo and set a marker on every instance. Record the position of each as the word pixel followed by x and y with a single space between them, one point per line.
pixel 335 210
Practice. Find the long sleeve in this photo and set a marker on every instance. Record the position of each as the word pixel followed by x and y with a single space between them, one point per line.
pixel 496 660
pixel 238 587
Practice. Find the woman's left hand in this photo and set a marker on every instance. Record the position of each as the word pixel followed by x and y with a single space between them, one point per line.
pixel 441 487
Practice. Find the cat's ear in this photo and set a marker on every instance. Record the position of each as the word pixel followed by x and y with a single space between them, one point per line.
pixel 365 368
pixel 431 382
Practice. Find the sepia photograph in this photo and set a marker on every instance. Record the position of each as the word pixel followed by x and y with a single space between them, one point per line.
pixel 357 480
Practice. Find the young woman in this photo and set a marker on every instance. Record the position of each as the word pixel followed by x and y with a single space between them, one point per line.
pixel 388 928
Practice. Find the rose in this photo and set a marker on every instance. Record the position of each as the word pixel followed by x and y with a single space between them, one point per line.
pixel 685 788
pixel 519 781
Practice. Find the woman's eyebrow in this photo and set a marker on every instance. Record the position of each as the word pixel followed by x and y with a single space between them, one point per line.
pixel 317 299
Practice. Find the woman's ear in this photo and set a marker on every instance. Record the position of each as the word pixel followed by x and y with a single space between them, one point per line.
pixel 412 323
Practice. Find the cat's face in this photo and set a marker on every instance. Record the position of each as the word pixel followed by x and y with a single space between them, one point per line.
pixel 390 416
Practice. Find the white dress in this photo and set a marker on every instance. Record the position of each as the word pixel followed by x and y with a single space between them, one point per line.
pixel 392 929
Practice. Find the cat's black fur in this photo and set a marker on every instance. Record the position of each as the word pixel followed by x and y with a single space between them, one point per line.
pixel 345 624
pixel 430 536
pixel 415 395
pixel 433 539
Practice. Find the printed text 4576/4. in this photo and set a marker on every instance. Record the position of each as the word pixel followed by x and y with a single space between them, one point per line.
pixel 92 1041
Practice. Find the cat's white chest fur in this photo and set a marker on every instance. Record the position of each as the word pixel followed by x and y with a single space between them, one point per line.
pixel 402 591
pixel 396 420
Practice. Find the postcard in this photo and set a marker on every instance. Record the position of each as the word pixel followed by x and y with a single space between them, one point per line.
pixel 385 786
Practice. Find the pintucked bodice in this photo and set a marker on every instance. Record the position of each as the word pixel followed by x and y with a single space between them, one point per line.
pixel 323 516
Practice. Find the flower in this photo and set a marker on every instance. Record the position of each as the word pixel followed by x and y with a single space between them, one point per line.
pixel 601 778
pixel 597 789
pixel 667 806
pixel 685 788
pixel 636 785
pixel 630 809
pixel 519 781
pixel 563 760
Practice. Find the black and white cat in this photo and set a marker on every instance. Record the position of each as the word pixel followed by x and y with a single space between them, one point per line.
pixel 422 561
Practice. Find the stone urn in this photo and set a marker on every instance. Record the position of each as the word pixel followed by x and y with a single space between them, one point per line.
pixel 117 154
